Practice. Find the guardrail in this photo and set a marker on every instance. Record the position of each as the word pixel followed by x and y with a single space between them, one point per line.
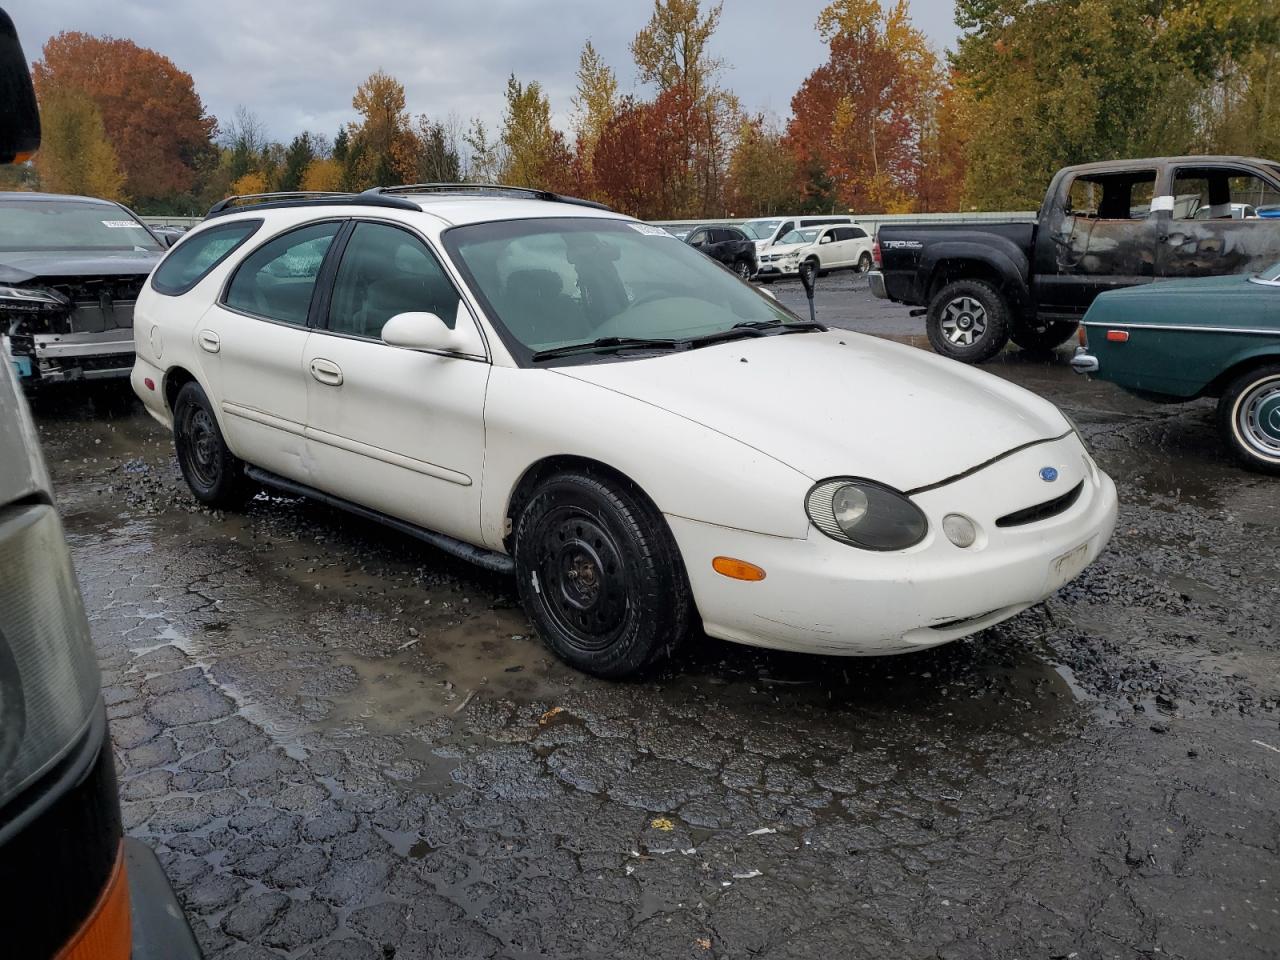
pixel 870 222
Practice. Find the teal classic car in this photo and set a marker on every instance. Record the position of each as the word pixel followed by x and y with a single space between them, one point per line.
pixel 1184 339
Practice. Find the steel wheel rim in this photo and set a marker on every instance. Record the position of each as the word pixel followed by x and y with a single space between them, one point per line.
pixel 581 580
pixel 964 321
pixel 201 451
pixel 1258 418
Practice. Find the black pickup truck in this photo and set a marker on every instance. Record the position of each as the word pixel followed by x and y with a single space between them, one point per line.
pixel 1101 226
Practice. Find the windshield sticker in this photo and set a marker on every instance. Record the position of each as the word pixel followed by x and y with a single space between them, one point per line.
pixel 649 231
pixel 122 224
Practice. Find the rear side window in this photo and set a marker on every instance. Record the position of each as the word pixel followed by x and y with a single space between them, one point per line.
pixel 276 280
pixel 857 233
pixel 196 254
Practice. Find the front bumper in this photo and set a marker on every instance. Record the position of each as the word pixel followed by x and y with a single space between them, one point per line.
pixel 67 357
pixel 878 290
pixel 1082 361
pixel 160 930
pixel 822 596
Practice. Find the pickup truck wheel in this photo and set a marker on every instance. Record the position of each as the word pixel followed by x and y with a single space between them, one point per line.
pixel 968 321
pixel 214 474
pixel 600 575
pixel 1249 418
pixel 1052 335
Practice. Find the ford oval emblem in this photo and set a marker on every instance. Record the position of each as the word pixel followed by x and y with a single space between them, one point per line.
pixel 1048 474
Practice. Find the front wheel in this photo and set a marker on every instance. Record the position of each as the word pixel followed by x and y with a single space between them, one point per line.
pixel 743 269
pixel 968 320
pixel 600 575
pixel 214 474
pixel 1249 418
pixel 1052 335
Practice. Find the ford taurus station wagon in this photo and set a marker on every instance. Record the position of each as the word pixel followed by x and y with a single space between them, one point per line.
pixel 649 444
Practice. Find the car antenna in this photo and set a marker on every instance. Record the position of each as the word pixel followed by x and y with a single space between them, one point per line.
pixel 808 277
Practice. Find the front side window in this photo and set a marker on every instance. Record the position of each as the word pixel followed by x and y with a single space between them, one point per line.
pixel 559 281
pixel 387 271
pixel 277 280
pixel 197 253
pixel 1112 196
pixel 71 225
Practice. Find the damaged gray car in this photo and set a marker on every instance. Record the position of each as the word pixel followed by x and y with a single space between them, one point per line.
pixel 70 271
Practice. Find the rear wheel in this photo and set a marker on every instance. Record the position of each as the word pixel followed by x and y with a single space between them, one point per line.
pixel 1051 335
pixel 1249 418
pixel 864 263
pixel 214 474
pixel 968 320
pixel 600 575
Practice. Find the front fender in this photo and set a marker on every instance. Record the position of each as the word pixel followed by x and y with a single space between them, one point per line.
pixel 685 468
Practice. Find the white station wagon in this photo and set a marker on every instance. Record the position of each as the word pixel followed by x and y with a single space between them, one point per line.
pixel 546 387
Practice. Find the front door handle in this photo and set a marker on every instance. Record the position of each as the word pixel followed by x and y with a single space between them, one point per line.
pixel 209 341
pixel 327 372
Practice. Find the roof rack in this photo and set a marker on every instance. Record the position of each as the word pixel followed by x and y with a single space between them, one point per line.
pixel 297 198
pixel 482 189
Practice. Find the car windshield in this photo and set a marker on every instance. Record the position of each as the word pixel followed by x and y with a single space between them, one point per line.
pixel 800 236
pixel 70 225
pixel 550 283
pixel 1271 274
pixel 760 229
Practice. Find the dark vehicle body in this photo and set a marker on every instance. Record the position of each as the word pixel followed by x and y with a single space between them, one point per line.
pixel 1102 226
pixel 67 296
pixel 728 245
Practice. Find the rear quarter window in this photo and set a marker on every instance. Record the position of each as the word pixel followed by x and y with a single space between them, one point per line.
pixel 198 253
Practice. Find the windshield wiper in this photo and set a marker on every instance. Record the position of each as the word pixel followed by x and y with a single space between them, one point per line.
pixel 753 328
pixel 606 345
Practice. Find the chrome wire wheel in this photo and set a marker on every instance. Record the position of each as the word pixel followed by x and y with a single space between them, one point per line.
pixel 964 321
pixel 1258 418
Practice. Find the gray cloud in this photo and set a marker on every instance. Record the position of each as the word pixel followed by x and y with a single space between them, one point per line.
pixel 296 65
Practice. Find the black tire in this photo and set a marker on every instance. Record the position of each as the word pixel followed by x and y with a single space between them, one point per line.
pixel 864 263
pixel 743 269
pixel 968 320
pixel 214 474
pixel 1053 335
pixel 1249 418
pixel 600 575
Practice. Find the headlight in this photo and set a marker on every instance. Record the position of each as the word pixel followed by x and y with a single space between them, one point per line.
pixel 865 514
pixel 29 298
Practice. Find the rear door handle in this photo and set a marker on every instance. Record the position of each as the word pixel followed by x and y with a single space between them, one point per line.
pixel 209 341
pixel 327 372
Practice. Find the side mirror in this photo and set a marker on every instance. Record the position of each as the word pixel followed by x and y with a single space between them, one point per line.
pixel 825 239
pixel 20 123
pixel 426 331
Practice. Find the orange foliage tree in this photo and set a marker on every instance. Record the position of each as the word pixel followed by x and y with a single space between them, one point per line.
pixel 152 117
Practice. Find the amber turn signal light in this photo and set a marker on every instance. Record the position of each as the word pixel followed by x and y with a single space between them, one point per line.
pixel 737 569
pixel 1081 336
pixel 1118 336
pixel 107 933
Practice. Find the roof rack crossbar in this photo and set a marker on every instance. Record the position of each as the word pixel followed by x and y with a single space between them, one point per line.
pixel 499 189
pixel 296 198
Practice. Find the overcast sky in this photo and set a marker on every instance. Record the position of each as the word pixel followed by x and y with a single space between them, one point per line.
pixel 297 64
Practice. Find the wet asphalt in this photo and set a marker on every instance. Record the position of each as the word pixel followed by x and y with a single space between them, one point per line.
pixel 346 745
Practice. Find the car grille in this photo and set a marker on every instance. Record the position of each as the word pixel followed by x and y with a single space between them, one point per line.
pixel 1042 511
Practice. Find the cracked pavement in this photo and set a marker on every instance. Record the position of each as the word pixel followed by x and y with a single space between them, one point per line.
pixel 346 746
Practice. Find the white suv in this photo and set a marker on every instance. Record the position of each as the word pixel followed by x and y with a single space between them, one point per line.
pixel 649 443
pixel 841 247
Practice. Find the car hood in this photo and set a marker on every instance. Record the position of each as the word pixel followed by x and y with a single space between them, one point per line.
pixel 787 247
pixel 840 404
pixel 20 267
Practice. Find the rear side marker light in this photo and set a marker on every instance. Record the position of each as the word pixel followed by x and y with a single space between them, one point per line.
pixel 737 569
pixel 150 384
pixel 1118 336
pixel 1082 336
pixel 107 933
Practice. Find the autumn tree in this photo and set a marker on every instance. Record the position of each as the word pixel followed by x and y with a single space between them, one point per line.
pixel 298 156
pixel 486 157
pixel 322 174
pixel 762 174
pixel 437 151
pixel 536 153
pixel 594 104
pixel 151 115
pixel 74 155
pixel 383 150
pixel 860 118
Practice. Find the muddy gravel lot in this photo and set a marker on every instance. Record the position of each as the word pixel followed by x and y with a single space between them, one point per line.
pixel 346 745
